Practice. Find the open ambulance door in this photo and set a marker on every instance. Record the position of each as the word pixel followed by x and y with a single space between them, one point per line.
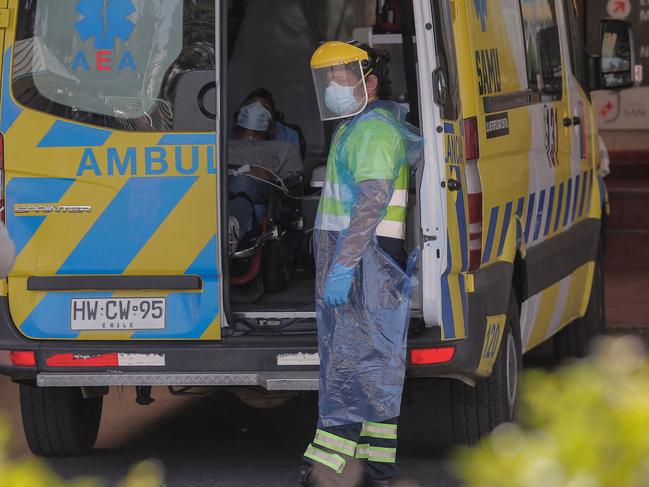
pixel 443 192
pixel 111 169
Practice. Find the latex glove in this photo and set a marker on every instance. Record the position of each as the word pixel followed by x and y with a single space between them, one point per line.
pixel 338 284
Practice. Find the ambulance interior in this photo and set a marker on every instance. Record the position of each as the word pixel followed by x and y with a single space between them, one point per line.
pixel 270 43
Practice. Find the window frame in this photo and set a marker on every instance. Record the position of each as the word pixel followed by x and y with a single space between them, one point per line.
pixel 443 32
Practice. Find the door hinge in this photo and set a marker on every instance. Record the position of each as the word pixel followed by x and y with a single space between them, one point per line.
pixel 5 16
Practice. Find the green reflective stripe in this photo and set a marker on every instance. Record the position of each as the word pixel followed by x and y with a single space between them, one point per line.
pixel 382 455
pixel 331 460
pixel 379 430
pixel 333 206
pixel 362 451
pixel 403 179
pixel 335 443
pixel 396 214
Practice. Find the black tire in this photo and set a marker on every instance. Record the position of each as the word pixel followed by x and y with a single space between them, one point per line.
pixel 278 264
pixel 59 422
pixel 478 410
pixel 595 318
pixel 573 340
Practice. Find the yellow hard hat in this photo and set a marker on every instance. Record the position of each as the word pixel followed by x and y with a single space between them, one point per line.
pixel 334 53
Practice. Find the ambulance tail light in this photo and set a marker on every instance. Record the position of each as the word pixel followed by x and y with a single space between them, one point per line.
pixel 431 356
pixel 17 358
pixel 474 194
pixel 2 178
pixel 471 139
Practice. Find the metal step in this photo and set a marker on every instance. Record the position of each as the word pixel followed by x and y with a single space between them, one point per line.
pixel 271 381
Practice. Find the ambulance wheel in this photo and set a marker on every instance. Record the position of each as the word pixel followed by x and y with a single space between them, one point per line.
pixel 59 422
pixel 573 340
pixel 493 401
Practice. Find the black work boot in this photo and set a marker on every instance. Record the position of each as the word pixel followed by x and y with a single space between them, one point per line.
pixel 370 482
pixel 317 475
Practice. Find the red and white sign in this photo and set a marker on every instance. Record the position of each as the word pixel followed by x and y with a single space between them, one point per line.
pixel 619 9
pixel 625 110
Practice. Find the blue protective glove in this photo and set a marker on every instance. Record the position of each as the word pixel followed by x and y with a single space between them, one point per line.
pixel 338 284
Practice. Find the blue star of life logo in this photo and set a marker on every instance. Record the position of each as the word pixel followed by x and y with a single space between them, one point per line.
pixel 105 20
pixel 481 9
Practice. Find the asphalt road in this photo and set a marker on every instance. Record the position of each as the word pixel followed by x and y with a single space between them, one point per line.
pixel 217 441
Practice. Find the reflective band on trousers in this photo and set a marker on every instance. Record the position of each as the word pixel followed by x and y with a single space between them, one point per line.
pixel 362 451
pixel 335 443
pixel 331 460
pixel 380 430
pixel 383 455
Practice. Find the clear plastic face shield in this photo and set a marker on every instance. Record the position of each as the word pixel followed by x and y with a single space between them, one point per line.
pixel 341 90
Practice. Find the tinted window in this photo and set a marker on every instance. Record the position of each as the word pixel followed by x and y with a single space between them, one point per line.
pixel 544 69
pixel 446 60
pixel 116 65
pixel 578 49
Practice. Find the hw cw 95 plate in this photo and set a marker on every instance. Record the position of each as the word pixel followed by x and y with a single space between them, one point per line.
pixel 118 314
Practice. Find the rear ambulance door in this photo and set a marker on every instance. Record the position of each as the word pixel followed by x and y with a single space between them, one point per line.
pixel 108 119
pixel 443 193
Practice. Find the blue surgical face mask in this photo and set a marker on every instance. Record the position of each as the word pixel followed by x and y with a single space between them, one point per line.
pixel 340 99
pixel 254 117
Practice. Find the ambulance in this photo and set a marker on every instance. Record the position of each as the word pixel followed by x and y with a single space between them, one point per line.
pixel 115 122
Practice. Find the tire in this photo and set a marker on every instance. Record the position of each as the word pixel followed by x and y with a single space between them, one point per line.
pixel 59 422
pixel 478 410
pixel 595 318
pixel 573 340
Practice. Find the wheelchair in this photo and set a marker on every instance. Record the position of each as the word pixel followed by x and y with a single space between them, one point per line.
pixel 264 260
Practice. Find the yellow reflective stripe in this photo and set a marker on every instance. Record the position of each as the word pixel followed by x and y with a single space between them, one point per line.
pixel 379 430
pixel 335 443
pixel 395 214
pixel 403 178
pixel 362 451
pixel 382 455
pixel 331 460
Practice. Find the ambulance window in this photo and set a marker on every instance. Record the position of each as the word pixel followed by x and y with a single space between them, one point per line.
pixel 578 49
pixel 114 64
pixel 544 68
pixel 448 102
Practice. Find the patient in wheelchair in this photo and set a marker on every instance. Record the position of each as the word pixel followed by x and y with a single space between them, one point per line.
pixel 257 166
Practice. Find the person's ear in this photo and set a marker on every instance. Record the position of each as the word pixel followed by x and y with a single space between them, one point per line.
pixel 372 84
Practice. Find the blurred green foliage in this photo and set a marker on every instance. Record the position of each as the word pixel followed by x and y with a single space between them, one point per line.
pixel 583 425
pixel 33 472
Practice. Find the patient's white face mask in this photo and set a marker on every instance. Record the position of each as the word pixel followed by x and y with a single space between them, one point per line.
pixel 254 116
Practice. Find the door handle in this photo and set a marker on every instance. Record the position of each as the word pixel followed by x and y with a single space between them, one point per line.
pixel 454 185
pixel 567 122
pixel 576 120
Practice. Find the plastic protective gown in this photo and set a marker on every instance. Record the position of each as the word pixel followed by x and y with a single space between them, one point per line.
pixel 362 344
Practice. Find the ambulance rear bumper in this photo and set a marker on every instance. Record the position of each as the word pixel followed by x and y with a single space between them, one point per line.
pixel 282 362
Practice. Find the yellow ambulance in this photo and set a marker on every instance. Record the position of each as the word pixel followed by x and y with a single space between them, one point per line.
pixel 116 128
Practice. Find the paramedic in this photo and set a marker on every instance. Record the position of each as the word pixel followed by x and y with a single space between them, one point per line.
pixel 362 291
pixel 257 162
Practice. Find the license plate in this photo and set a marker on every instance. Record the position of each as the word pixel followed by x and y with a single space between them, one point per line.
pixel 118 314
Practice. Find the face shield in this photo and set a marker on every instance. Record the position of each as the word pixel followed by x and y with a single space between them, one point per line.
pixel 340 89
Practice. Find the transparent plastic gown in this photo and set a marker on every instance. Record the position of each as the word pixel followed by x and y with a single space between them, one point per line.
pixel 362 343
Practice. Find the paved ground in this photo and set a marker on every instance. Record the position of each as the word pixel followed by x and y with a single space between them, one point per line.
pixel 216 441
